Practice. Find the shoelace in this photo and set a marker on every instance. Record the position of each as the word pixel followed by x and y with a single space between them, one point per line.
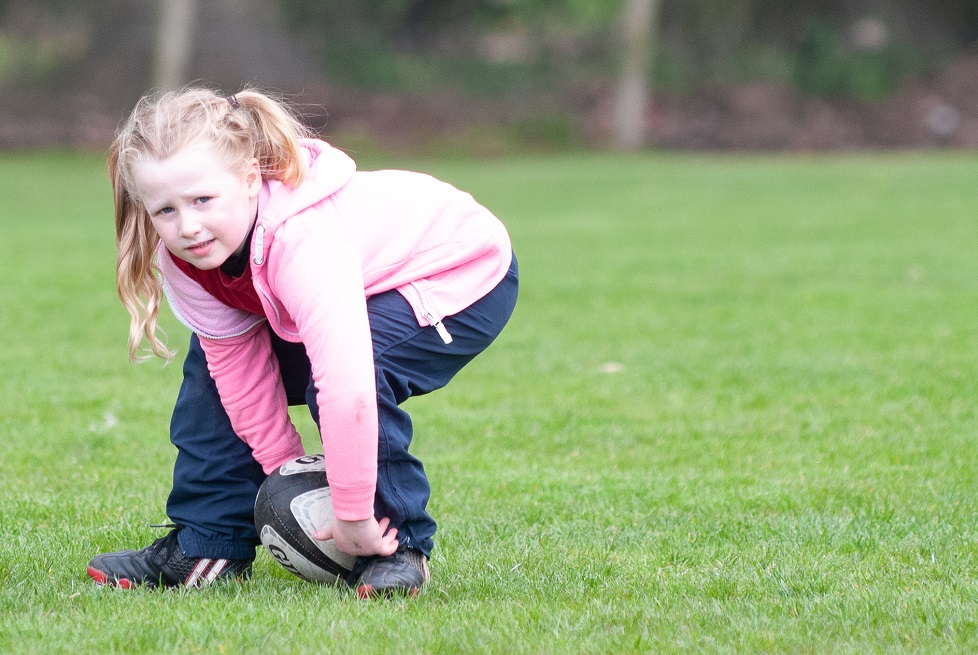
pixel 157 545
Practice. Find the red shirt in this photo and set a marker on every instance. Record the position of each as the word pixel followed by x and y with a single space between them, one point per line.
pixel 237 292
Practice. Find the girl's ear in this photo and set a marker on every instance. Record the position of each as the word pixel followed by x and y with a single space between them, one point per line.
pixel 253 177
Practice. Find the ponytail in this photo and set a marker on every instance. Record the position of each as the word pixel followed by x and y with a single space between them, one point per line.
pixel 277 131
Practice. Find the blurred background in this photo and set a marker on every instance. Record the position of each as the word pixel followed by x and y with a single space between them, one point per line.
pixel 496 76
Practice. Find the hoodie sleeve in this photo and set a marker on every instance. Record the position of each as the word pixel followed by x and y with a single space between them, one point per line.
pixel 317 276
pixel 246 372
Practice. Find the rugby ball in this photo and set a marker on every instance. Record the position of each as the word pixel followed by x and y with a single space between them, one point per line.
pixel 292 503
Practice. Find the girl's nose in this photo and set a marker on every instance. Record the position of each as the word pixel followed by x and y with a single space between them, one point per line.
pixel 189 227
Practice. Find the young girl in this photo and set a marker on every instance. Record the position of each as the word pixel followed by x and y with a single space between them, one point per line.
pixel 303 281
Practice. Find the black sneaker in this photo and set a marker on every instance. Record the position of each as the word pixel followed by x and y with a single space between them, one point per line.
pixel 403 573
pixel 163 564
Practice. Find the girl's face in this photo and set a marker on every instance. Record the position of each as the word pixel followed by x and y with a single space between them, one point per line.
pixel 202 210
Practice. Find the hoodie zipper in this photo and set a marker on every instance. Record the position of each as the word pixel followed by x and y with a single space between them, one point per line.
pixel 428 316
pixel 258 257
pixel 271 303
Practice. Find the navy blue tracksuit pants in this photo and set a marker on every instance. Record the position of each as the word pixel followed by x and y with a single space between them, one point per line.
pixel 216 478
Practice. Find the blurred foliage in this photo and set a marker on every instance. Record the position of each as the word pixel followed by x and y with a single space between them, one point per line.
pixel 44 40
pixel 420 44
pixel 825 66
pixel 523 49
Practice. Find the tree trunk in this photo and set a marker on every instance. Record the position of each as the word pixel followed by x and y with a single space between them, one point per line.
pixel 174 43
pixel 639 22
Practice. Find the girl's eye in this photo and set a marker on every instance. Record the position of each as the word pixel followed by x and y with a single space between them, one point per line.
pixel 165 211
pixel 202 200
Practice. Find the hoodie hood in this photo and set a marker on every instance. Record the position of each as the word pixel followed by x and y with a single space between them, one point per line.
pixel 327 171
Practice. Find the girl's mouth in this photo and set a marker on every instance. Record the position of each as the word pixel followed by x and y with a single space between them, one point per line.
pixel 201 248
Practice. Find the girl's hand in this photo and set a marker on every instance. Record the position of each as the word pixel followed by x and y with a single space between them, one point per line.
pixel 364 538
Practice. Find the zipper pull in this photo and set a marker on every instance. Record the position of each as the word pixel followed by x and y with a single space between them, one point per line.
pixel 259 245
pixel 440 328
pixel 443 332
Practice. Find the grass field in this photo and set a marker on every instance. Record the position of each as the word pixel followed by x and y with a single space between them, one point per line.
pixel 736 411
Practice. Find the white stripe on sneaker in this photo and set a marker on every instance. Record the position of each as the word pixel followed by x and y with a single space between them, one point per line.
pixel 198 571
pixel 216 570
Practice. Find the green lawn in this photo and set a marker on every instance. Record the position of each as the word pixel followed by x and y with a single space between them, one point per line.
pixel 735 411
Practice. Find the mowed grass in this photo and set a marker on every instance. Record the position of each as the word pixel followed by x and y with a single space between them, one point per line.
pixel 736 411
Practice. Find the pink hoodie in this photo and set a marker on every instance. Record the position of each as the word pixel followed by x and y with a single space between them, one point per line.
pixel 318 252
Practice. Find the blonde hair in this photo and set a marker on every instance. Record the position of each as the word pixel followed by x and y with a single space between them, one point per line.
pixel 249 124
